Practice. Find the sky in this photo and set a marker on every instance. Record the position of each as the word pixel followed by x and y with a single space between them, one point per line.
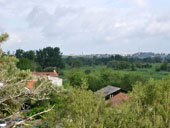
pixel 87 26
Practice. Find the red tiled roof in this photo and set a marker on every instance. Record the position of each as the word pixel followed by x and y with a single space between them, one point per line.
pixel 119 98
pixel 45 74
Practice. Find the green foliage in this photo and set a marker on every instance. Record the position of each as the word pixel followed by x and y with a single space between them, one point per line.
pixel 12 80
pixel 128 80
pixel 109 77
pixel 94 82
pixel 163 67
pixel 119 65
pixel 133 67
pixel 82 109
pixel 14 92
pixel 25 64
pixel 88 71
pixel 104 78
pixel 47 57
pixel 76 64
pixel 148 107
pixel 76 78
pixel 112 64
pixel 35 110
pixel 123 65
pixel 50 57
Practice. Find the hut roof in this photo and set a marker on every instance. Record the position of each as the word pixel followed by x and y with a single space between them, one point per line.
pixel 108 90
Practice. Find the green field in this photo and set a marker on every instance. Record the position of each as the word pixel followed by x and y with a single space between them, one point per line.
pixel 145 72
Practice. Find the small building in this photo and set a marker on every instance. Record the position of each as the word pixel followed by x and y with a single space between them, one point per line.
pixel 113 94
pixel 52 76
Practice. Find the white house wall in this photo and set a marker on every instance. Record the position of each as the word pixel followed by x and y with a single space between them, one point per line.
pixel 55 80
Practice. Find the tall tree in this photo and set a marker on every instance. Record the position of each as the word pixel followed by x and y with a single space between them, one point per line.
pixel 19 53
pixel 50 57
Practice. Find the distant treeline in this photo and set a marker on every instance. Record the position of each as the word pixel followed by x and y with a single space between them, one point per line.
pixel 49 58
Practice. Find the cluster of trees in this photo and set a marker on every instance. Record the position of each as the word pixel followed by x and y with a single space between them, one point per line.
pixel 120 65
pixel 89 61
pixel 39 59
pixel 104 78
pixel 163 67
pixel 115 62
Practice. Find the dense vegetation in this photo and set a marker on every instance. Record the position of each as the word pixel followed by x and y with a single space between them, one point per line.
pixel 76 105
pixel 105 77
pixel 148 107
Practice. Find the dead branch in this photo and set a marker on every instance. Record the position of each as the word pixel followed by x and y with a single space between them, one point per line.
pixel 10 98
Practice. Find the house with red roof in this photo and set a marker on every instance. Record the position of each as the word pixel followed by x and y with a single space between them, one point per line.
pixel 52 76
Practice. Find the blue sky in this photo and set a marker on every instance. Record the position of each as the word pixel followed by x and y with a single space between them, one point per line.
pixel 88 26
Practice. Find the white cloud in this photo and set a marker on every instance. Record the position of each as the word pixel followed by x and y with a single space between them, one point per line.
pixel 143 3
pixel 78 25
pixel 140 3
pixel 159 28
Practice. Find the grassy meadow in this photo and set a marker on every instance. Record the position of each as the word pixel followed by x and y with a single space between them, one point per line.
pixel 145 72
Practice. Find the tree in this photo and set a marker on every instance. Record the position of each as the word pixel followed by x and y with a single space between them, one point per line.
pixel 128 80
pixel 3 37
pixel 94 82
pixel 25 64
pixel 157 59
pixel 87 71
pixel 50 57
pixel 109 77
pixel 29 55
pixel 118 57
pixel 164 66
pixel 19 53
pixel 123 65
pixel 69 60
pixel 76 78
pixel 76 64
pixel 118 64
pixel 14 92
pixel 83 109
pixel 47 57
pixel 112 64
pixel 133 67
